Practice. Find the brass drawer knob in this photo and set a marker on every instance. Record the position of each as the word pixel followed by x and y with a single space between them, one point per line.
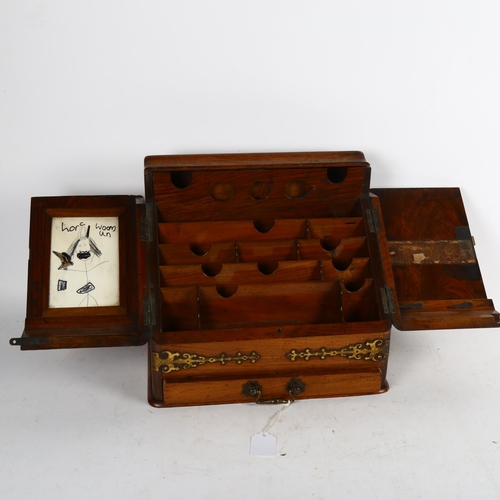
pixel 253 389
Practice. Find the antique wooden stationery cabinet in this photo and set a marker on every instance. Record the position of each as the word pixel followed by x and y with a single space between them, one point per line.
pixel 253 277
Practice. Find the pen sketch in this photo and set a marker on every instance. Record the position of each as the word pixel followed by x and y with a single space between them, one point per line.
pixel 84 262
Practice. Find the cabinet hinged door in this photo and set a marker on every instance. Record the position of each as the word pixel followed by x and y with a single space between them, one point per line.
pixel 87 273
pixel 427 253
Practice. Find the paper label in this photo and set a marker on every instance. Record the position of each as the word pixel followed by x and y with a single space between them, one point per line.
pixel 263 445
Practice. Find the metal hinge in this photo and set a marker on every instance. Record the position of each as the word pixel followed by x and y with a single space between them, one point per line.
pixel 388 302
pixel 28 341
pixel 149 310
pixel 146 229
pixel 147 226
pixel 373 220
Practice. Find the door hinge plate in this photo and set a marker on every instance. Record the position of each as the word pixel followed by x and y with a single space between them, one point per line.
pixel 146 229
pixel 388 302
pixel 147 226
pixel 28 341
pixel 373 220
pixel 149 310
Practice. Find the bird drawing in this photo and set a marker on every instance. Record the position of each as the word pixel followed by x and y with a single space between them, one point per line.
pixel 65 260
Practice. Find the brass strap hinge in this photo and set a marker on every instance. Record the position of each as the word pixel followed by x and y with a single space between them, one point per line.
pixel 376 350
pixel 149 310
pixel 388 302
pixel 373 220
pixel 168 361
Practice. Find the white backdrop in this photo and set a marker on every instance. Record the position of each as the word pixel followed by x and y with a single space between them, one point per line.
pixel 87 89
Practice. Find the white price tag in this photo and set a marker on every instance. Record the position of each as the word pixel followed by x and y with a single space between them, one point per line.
pixel 263 445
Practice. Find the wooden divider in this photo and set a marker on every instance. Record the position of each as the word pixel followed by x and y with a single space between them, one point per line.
pixel 301 258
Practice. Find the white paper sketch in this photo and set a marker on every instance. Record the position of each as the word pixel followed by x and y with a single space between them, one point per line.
pixel 84 262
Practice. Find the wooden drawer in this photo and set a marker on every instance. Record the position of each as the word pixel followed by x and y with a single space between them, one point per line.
pixel 227 391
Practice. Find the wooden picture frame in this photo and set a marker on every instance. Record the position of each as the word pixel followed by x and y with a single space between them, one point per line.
pixel 84 272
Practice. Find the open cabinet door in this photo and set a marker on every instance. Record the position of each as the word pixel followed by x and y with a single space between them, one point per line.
pixel 429 260
pixel 87 275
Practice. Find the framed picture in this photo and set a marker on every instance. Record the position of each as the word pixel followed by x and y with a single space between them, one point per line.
pixel 85 276
pixel 84 262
